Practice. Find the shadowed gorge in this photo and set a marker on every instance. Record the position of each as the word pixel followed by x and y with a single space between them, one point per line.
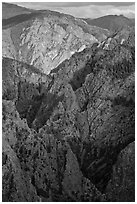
pixel 68 123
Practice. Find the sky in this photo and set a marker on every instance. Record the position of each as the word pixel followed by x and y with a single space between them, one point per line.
pixel 85 9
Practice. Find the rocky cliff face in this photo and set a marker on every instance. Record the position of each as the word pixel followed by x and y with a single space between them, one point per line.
pixel 45 39
pixel 68 135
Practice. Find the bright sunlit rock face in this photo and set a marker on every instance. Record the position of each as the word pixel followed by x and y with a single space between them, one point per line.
pixel 46 41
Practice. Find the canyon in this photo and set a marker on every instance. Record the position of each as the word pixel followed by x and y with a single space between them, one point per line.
pixel 68 105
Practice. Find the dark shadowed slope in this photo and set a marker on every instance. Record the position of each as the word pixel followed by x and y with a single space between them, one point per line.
pixel 111 22
pixel 10 10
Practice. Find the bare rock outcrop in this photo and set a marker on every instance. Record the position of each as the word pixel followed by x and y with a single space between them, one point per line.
pixel 44 39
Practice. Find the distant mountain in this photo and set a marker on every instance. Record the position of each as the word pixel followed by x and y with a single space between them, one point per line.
pixel 10 10
pixel 111 22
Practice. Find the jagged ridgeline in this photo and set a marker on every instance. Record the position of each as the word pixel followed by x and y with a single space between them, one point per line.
pixel 68 110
